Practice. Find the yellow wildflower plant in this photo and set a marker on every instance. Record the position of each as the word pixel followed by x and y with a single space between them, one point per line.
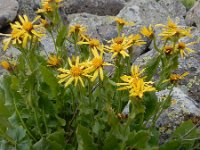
pixel 96 65
pixel 176 77
pixel 136 40
pixel 6 65
pixel 147 31
pixel 121 22
pixel 92 42
pixel 75 73
pixel 168 49
pixel 183 48
pixel 135 84
pixel 53 60
pixel 77 29
pixel 172 30
pixel 119 49
pixel 49 6
pixel 14 38
pixel 29 28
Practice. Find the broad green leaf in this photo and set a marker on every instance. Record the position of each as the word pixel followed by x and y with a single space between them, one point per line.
pixel 186 130
pixel 58 137
pixel 139 140
pixel 5 86
pixel 151 104
pixel 42 144
pixel 171 145
pixel 111 143
pixel 85 139
pixel 16 133
pixel 50 80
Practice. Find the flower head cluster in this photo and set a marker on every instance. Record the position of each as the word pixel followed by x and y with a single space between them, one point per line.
pixel 172 31
pixel 49 6
pixel 23 31
pixel 76 73
pixel 96 64
pixel 53 61
pixel 148 32
pixel 135 84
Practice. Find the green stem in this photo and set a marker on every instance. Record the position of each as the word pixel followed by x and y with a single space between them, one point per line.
pixel 23 124
pixel 37 122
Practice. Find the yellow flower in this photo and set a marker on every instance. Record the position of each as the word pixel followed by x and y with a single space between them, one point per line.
pixel 49 6
pixel 96 65
pixel 135 84
pixel 136 40
pixel 76 29
pixel 15 37
pixel 5 65
pixel 53 60
pixel 44 22
pixel 119 49
pixel 75 73
pixel 93 43
pixel 46 8
pixel 183 48
pixel 29 28
pixel 176 77
pixel 148 32
pixel 168 49
pixel 172 30
pixel 121 22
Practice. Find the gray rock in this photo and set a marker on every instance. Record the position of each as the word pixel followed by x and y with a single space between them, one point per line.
pixel 183 109
pixel 99 7
pixel 193 15
pixel 144 12
pixel 8 11
pixel 175 7
pixel 98 26
pixel 26 7
pixel 191 64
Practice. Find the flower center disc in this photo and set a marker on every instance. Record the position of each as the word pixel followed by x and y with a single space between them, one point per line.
pixel 97 62
pixel 28 26
pixel 75 71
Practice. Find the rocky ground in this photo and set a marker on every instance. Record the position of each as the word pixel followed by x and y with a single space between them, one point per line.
pixel 95 14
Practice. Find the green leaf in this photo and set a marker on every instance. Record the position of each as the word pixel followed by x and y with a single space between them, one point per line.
pixel 152 67
pixel 171 145
pixel 50 80
pixel 42 144
pixel 5 86
pixel 84 139
pixel 151 104
pixel 138 140
pixel 58 137
pixel 186 130
pixel 16 133
pixel 111 142
pixel 61 36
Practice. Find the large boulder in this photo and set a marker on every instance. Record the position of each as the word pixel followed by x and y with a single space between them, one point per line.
pixel 174 7
pixel 182 109
pixel 98 7
pixel 146 12
pixel 193 15
pixel 8 12
pixel 27 7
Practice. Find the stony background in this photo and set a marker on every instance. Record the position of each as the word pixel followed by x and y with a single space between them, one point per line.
pixel 95 14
